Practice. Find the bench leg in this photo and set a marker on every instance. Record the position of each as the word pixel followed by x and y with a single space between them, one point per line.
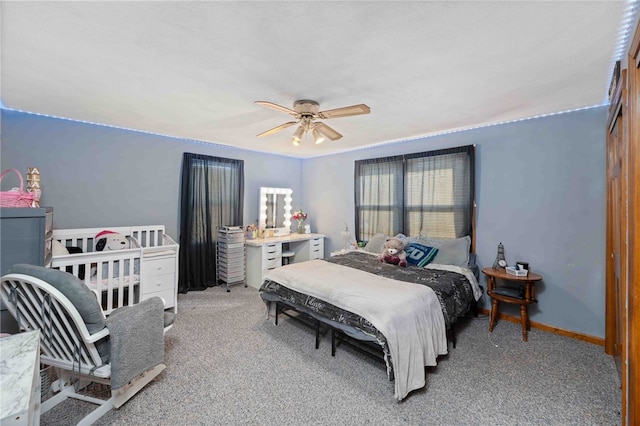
pixel 451 335
pixel 524 319
pixel 494 314
pixel 333 342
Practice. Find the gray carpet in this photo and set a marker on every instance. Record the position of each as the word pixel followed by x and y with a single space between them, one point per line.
pixel 227 365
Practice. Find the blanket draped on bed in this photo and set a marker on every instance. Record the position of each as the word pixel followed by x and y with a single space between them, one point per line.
pixel 408 315
pixel 136 339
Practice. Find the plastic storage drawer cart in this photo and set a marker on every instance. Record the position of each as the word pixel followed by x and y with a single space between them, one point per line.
pixel 230 256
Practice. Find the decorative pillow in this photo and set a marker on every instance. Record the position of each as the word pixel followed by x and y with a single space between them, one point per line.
pixel 405 240
pixel 374 245
pixel 58 249
pixel 109 240
pixel 451 251
pixel 420 255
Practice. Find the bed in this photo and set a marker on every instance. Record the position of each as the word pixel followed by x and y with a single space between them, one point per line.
pixel 406 311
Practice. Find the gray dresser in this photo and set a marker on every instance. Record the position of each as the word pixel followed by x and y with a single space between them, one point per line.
pixel 25 237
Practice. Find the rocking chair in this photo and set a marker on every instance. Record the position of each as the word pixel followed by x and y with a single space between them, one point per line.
pixel 125 351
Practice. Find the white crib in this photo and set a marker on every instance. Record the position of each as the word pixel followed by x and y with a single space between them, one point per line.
pixel 123 277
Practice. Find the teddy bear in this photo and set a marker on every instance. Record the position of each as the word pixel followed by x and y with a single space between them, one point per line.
pixel 393 252
pixel 109 240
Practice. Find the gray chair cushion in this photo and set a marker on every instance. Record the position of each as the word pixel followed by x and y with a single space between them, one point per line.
pixel 75 290
pixel 78 294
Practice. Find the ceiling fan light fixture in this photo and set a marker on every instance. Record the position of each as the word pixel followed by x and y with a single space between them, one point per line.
pixel 306 112
pixel 317 136
pixel 297 135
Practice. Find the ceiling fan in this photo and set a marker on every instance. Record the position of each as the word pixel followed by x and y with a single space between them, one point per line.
pixel 306 112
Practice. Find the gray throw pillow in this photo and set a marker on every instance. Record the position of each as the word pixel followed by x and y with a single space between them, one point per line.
pixel 376 242
pixel 451 251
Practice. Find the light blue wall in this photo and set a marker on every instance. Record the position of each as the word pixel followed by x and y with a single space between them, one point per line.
pixel 95 176
pixel 540 191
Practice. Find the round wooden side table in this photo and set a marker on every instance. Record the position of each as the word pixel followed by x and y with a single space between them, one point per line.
pixel 505 294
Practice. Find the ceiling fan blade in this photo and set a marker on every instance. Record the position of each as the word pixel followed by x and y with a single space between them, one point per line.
pixel 277 129
pixel 345 111
pixel 277 107
pixel 327 131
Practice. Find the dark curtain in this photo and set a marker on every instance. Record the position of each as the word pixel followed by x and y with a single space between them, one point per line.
pixel 212 193
pixel 430 193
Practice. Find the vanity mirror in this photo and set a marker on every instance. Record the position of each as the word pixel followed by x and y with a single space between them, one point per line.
pixel 275 209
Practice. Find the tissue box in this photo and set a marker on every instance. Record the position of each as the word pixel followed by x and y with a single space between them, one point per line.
pixel 511 270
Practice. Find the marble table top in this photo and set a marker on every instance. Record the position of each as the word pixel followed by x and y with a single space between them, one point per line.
pixel 19 356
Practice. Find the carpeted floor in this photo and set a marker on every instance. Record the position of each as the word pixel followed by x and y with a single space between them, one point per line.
pixel 227 365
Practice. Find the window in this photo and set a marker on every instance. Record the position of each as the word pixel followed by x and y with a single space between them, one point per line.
pixel 429 193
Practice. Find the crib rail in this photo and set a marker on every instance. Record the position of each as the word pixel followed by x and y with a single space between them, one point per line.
pixel 113 276
pixel 84 237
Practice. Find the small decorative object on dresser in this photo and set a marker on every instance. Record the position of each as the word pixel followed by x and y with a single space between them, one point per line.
pixel 16 197
pixel 300 216
pixel 33 185
pixel 346 237
pixel 500 261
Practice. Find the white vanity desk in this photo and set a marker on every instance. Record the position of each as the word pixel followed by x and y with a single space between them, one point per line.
pixel 264 254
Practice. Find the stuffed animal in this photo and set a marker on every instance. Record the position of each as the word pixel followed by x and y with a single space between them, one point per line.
pixel 109 240
pixel 393 252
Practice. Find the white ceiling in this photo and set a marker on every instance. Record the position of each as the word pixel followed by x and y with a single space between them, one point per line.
pixel 194 69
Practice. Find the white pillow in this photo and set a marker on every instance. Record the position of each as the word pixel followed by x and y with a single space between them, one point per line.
pixel 58 249
pixel 374 245
pixel 451 251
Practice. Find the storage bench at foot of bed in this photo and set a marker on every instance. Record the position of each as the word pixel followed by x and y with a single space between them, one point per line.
pixel 301 317
pixel 369 349
pixel 366 346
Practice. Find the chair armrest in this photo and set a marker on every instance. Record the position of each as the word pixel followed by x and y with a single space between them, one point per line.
pixel 136 340
pixel 92 338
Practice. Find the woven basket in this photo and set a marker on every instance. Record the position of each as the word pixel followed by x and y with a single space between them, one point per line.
pixel 16 197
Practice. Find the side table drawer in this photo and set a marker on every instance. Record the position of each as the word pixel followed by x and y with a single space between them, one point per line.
pixel 316 249
pixel 159 266
pixel 272 263
pixel 316 254
pixel 317 242
pixel 167 295
pixel 154 283
pixel 269 251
